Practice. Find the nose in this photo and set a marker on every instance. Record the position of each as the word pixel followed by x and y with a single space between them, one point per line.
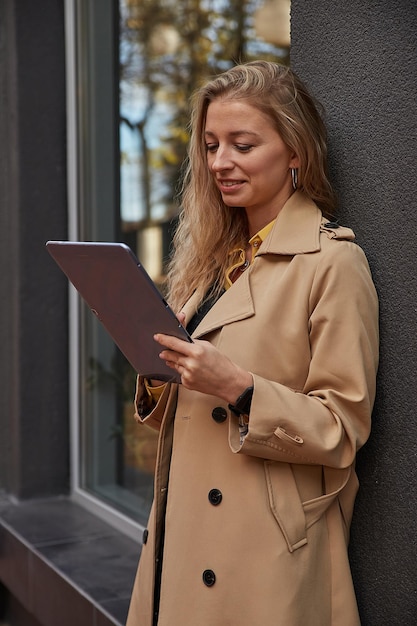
pixel 221 160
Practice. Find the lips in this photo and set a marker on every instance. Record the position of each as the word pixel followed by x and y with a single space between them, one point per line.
pixel 230 185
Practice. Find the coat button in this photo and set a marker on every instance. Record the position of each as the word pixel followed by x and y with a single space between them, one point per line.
pixel 219 414
pixel 145 536
pixel 209 577
pixel 215 496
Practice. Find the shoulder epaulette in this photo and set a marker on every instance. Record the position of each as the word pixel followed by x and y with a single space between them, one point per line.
pixel 333 230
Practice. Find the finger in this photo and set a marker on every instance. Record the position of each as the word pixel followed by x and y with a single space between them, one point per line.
pixel 173 343
pixel 181 317
pixel 172 364
pixel 169 355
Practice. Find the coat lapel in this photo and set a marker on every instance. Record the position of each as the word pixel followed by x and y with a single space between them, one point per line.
pixel 296 231
pixel 235 304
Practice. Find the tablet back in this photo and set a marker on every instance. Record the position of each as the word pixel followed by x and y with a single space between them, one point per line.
pixel 121 294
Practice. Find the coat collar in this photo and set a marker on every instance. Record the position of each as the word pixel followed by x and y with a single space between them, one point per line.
pixel 296 231
pixel 297 228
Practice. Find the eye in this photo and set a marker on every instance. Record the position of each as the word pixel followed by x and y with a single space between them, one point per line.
pixel 242 147
pixel 211 147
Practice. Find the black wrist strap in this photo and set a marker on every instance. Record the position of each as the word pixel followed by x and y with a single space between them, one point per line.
pixel 242 404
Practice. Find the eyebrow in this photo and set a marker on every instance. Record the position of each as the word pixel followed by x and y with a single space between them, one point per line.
pixel 234 133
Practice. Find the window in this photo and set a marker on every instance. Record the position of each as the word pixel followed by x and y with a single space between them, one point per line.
pixel 136 64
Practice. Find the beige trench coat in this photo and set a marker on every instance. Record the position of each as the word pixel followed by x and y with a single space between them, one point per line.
pixel 256 534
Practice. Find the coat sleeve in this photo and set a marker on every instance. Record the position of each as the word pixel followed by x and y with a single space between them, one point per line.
pixel 328 420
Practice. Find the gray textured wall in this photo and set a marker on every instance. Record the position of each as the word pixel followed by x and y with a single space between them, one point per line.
pixel 33 318
pixel 360 59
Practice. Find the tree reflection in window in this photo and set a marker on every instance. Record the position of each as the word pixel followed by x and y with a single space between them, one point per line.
pixel 167 48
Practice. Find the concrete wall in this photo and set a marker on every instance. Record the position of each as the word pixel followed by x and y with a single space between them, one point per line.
pixel 360 59
pixel 33 318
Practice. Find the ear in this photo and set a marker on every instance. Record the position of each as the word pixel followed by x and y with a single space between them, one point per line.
pixel 294 160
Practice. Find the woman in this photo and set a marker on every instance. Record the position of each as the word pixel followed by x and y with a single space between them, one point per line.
pixel 255 481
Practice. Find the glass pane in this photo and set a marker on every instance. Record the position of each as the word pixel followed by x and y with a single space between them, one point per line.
pixel 165 49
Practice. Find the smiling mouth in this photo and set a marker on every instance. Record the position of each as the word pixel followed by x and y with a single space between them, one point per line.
pixel 229 184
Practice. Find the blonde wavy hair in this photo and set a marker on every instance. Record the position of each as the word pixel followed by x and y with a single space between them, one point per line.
pixel 208 229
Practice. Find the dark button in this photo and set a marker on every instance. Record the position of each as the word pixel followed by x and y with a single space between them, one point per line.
pixel 219 414
pixel 145 536
pixel 209 577
pixel 215 496
pixel 331 225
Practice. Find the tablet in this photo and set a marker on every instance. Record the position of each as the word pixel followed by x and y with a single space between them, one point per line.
pixel 124 298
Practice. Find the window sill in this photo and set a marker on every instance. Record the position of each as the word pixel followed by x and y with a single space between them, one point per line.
pixel 64 565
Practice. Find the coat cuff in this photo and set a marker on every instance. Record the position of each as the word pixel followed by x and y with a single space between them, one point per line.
pixel 149 406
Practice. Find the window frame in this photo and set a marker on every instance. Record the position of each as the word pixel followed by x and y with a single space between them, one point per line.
pixel 93 504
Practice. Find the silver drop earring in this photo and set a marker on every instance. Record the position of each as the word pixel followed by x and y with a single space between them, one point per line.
pixel 294 176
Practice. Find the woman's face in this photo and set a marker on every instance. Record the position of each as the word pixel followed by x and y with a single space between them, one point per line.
pixel 249 161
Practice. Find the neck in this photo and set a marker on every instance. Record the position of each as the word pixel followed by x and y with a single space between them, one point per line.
pixel 258 218
pixel 258 222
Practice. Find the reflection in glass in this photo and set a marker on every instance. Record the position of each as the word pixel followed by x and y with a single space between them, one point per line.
pixel 167 48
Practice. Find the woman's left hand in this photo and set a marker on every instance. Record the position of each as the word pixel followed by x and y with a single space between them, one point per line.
pixel 203 368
